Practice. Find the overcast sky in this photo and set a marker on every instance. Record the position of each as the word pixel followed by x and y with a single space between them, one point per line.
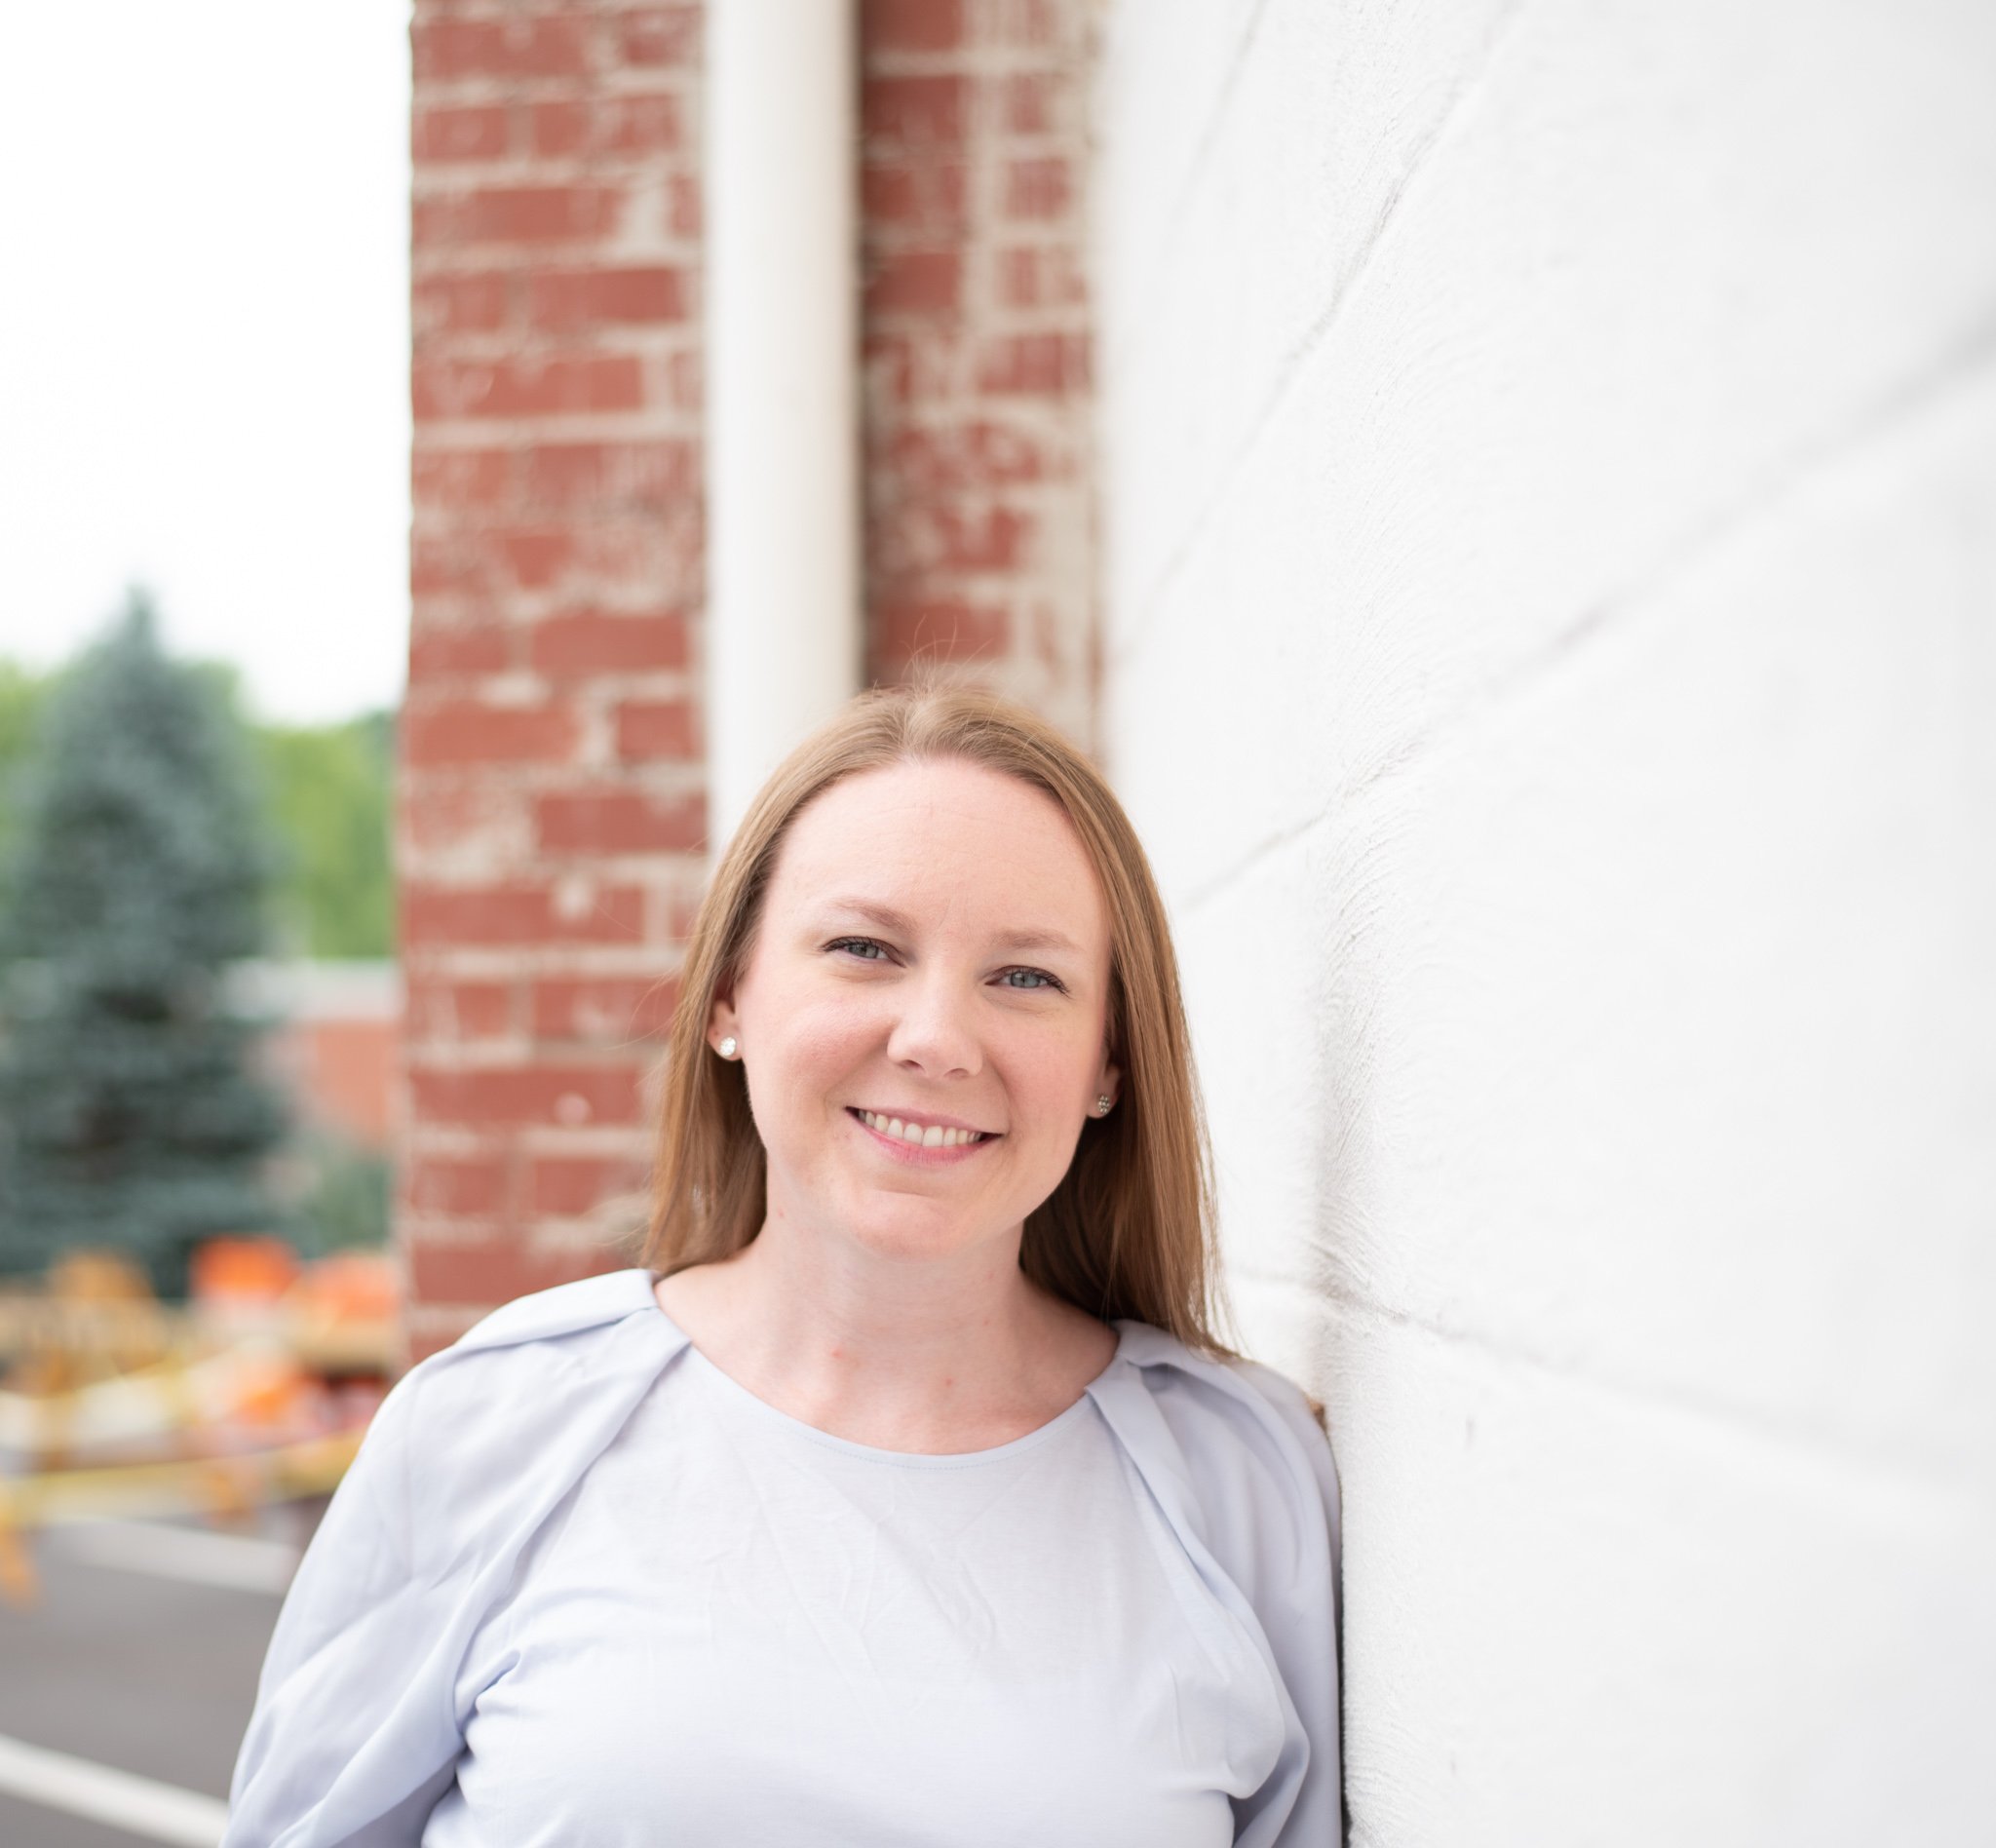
pixel 204 335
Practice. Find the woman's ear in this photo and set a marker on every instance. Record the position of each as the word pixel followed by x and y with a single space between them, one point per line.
pixel 1108 1084
pixel 721 1024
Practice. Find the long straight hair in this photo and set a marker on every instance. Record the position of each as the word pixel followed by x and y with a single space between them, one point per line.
pixel 1129 1231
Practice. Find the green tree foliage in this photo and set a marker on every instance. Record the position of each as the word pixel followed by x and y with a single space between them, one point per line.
pixel 347 1196
pixel 22 695
pixel 329 791
pixel 131 1112
pixel 20 699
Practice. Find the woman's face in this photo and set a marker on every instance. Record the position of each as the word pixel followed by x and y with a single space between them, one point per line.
pixel 923 1012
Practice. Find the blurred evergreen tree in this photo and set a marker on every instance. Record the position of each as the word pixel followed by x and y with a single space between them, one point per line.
pixel 329 789
pixel 131 1114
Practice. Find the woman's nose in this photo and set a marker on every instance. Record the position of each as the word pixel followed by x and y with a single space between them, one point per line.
pixel 934 1032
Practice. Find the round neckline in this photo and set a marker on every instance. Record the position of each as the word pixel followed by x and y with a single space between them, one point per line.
pixel 732 1388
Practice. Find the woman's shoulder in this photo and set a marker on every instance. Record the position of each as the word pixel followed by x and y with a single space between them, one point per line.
pixel 536 1378
pixel 1186 1378
pixel 567 1309
pixel 1238 1442
pixel 550 1331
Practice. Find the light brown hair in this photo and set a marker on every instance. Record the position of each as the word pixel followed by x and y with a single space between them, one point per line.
pixel 1129 1232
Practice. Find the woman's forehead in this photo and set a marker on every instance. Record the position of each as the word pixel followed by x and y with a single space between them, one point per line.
pixel 947 836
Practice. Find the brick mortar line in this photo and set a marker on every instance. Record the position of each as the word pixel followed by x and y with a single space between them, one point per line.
pixel 431 261
pixel 447 182
pixel 566 426
pixel 679 690
pixel 660 962
pixel 615 82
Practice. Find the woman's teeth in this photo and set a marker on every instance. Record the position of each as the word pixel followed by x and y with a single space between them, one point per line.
pixel 934 1137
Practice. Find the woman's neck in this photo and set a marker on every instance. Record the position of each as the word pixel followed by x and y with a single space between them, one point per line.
pixel 930 1354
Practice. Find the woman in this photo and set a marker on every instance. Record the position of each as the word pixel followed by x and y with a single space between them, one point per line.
pixel 906 1494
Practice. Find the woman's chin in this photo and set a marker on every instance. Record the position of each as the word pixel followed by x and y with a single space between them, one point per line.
pixel 904 1226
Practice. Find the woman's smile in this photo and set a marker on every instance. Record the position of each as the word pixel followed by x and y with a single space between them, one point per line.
pixel 921 1141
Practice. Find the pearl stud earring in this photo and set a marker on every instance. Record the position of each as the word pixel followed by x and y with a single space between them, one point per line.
pixel 1103 1106
pixel 727 1046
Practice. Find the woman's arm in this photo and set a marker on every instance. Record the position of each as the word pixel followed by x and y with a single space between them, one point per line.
pixel 1289 1558
pixel 348 1727
pixel 1243 1472
pixel 360 1716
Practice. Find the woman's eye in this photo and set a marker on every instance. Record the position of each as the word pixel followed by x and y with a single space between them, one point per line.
pixel 1023 981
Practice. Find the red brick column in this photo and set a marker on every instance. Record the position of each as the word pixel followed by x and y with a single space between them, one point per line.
pixel 979 510
pixel 551 802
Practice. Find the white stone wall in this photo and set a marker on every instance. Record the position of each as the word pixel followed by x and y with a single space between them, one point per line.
pixel 1550 509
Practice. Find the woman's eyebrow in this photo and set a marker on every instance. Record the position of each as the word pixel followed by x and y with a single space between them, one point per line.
pixel 1039 940
pixel 885 917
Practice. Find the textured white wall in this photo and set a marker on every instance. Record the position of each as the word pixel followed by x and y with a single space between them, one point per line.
pixel 1550 468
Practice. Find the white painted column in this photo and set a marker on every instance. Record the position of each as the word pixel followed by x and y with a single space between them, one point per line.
pixel 783 565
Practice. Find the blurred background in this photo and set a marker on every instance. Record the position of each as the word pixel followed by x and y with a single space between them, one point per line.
pixel 1509 493
pixel 202 653
pixel 203 637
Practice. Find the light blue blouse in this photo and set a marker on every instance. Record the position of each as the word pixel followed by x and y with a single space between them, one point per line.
pixel 580 1587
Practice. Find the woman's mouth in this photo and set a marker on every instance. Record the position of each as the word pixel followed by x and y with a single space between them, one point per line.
pixel 915 1133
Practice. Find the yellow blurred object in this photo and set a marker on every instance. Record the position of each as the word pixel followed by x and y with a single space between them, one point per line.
pixel 227 1486
pixel 18 1584
pixel 98 1277
pixel 312 1466
pixel 94 1318
pixel 167 1401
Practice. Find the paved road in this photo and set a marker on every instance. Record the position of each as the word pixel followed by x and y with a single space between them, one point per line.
pixel 118 1666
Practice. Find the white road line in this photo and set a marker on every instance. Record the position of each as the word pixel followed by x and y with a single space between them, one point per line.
pixel 239 1562
pixel 141 1806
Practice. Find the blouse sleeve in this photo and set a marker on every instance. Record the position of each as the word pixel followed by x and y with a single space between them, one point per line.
pixel 348 1728
pixel 358 1726
pixel 1252 1486
pixel 1294 1585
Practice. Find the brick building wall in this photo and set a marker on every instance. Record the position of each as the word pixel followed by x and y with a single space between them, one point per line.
pixel 551 800
pixel 551 814
pixel 977 341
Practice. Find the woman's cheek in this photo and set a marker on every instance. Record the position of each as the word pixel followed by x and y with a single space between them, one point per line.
pixel 824 1037
pixel 1052 1061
